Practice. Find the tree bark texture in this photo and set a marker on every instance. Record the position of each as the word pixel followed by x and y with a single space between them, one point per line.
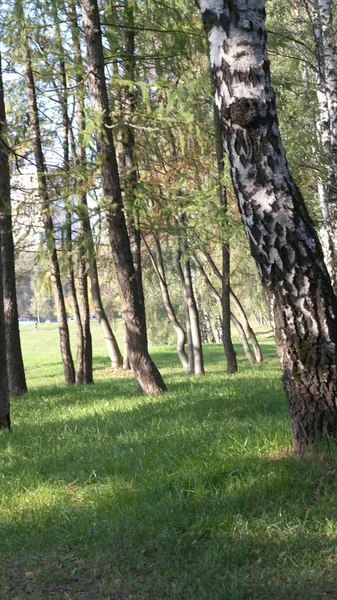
pixel 282 237
pixel 68 365
pixel 15 367
pixel 142 365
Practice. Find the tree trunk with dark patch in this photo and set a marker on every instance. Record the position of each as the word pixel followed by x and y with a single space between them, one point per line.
pixel 282 237
pixel 142 365
pixel 15 367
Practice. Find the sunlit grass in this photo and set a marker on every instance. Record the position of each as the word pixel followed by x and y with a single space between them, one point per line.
pixel 195 494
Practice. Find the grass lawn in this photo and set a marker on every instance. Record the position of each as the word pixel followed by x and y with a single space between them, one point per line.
pixel 106 494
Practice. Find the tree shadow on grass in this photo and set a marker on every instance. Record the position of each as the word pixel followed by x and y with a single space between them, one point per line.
pixel 253 529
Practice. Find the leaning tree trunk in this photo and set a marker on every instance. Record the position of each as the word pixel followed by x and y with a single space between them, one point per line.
pixel 249 333
pixel 158 265
pixel 282 237
pixel 5 421
pixel 84 226
pixel 214 292
pixel 142 365
pixel 190 356
pixel 15 367
pixel 193 312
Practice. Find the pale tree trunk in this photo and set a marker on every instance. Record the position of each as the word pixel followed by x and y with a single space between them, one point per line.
pixel 191 306
pixel 5 422
pixel 247 327
pixel 142 365
pixel 208 326
pixel 249 333
pixel 68 365
pixel 214 292
pixel 15 367
pixel 158 264
pixel 87 249
pixel 282 237
pixel 327 119
pixel 190 356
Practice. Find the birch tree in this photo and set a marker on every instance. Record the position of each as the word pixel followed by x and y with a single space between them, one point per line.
pixel 281 234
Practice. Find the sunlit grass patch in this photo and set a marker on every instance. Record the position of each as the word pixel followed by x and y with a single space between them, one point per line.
pixel 194 494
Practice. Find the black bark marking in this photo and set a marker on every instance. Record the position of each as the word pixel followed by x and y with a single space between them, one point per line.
pixel 244 112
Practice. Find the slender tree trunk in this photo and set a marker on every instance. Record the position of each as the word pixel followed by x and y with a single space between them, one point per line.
pixel 15 367
pixel 192 309
pixel 5 422
pixel 68 365
pixel 246 325
pixel 282 237
pixel 190 367
pixel 83 373
pixel 234 320
pixel 87 249
pixel 208 325
pixel 142 365
pixel 230 353
pixel 158 265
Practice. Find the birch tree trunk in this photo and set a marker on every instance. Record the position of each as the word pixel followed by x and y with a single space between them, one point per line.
pixel 15 367
pixel 142 365
pixel 282 237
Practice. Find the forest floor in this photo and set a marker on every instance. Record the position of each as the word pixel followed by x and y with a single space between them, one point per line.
pixel 106 494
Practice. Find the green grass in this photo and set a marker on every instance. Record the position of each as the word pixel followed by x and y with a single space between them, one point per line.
pixel 108 494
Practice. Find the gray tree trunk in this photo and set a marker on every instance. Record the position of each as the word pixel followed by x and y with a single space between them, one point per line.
pixel 142 365
pixel 282 237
